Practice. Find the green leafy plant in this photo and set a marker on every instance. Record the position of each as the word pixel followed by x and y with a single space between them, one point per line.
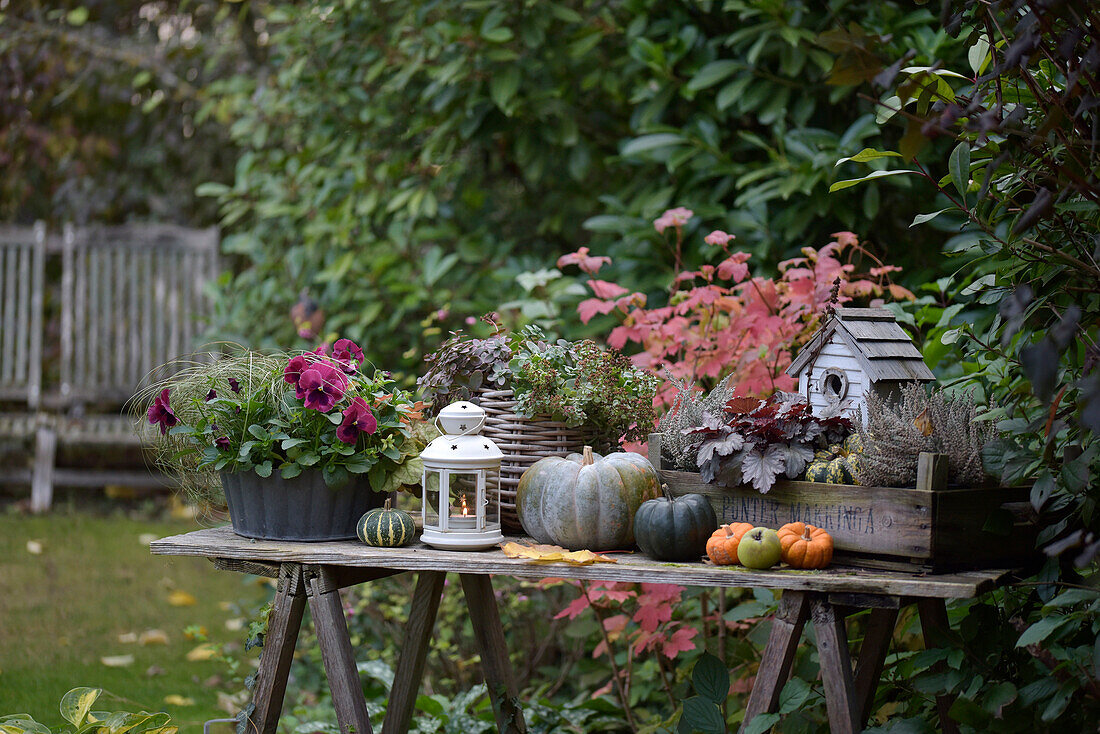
pixel 582 384
pixel 463 364
pixel 76 708
pixel 288 413
pixel 578 383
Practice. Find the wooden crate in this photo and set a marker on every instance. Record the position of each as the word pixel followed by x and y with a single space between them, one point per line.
pixel 931 527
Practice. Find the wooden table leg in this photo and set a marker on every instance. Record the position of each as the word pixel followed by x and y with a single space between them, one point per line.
pixel 775 665
pixel 499 679
pixel 332 637
pixel 872 656
pixel 414 651
pixel 278 650
pixel 935 627
pixel 836 667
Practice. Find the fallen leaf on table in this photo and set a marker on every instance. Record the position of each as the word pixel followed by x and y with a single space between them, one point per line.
pixel 117 661
pixel 174 699
pixel 128 637
pixel 34 547
pixel 552 554
pixel 179 598
pixel 205 651
pixel 153 637
pixel 585 557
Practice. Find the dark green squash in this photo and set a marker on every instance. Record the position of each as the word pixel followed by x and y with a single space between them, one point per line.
pixel 585 501
pixel 674 528
pixel 386 527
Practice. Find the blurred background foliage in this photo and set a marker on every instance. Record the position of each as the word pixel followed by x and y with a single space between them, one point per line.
pixel 401 163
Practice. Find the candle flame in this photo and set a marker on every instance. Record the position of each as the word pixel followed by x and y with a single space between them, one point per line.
pixel 465 511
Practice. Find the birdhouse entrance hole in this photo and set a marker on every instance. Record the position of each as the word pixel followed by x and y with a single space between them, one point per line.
pixel 834 385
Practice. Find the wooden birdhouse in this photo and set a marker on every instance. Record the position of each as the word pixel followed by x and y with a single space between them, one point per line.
pixel 857 351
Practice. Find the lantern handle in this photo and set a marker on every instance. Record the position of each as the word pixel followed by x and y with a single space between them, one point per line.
pixel 476 428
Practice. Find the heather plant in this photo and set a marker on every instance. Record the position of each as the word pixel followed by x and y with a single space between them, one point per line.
pixel 937 421
pixel 264 413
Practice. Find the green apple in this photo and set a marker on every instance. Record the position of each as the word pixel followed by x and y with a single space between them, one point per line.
pixel 759 548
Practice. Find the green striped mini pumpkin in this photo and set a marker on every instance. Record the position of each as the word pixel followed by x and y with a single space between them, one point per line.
pixel 386 527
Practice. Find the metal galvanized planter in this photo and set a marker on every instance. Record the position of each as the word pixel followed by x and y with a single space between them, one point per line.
pixel 302 509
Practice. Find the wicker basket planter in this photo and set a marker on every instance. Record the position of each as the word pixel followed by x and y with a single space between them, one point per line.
pixel 524 441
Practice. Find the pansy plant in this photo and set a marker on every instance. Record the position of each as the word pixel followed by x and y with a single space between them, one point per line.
pixel 316 411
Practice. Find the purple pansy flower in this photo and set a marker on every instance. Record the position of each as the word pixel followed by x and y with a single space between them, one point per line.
pixel 321 386
pixel 221 442
pixel 234 385
pixel 357 419
pixel 292 374
pixel 211 395
pixel 161 413
pixel 348 355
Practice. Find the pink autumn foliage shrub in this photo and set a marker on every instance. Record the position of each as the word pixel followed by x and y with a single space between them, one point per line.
pixel 721 319
pixel 638 617
pixel 716 320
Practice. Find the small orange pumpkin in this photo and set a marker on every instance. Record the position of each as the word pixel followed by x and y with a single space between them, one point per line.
pixel 805 546
pixel 722 544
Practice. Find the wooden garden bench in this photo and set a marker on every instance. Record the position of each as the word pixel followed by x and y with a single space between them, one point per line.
pixel 128 299
pixel 315 572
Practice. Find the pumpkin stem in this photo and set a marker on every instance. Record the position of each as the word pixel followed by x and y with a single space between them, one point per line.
pixel 729 533
pixel 667 491
pixel 587 459
pixel 387 505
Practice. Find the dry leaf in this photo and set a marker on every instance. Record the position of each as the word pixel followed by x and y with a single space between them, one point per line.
pixel 147 538
pixel 117 661
pixel 205 651
pixel 179 598
pixel 923 423
pixel 128 637
pixel 886 711
pixel 34 547
pixel 234 625
pixel 174 699
pixel 153 671
pixel 552 554
pixel 195 634
pixel 584 557
pixel 153 637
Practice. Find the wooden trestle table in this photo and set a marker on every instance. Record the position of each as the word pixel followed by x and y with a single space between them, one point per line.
pixel 315 572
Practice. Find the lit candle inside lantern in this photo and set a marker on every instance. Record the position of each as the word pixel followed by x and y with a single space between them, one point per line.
pixel 463 521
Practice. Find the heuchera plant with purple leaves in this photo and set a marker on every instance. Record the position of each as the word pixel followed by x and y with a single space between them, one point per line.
pixel 313 411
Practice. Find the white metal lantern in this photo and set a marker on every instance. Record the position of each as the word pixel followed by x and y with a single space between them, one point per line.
pixel 461 482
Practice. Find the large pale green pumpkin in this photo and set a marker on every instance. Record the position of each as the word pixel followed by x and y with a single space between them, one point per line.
pixel 585 501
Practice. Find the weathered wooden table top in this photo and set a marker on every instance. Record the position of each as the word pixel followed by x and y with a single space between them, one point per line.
pixel 222 542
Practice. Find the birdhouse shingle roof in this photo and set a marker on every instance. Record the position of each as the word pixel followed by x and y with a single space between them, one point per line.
pixel 882 348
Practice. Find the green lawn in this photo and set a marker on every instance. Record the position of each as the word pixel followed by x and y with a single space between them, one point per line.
pixel 62 610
